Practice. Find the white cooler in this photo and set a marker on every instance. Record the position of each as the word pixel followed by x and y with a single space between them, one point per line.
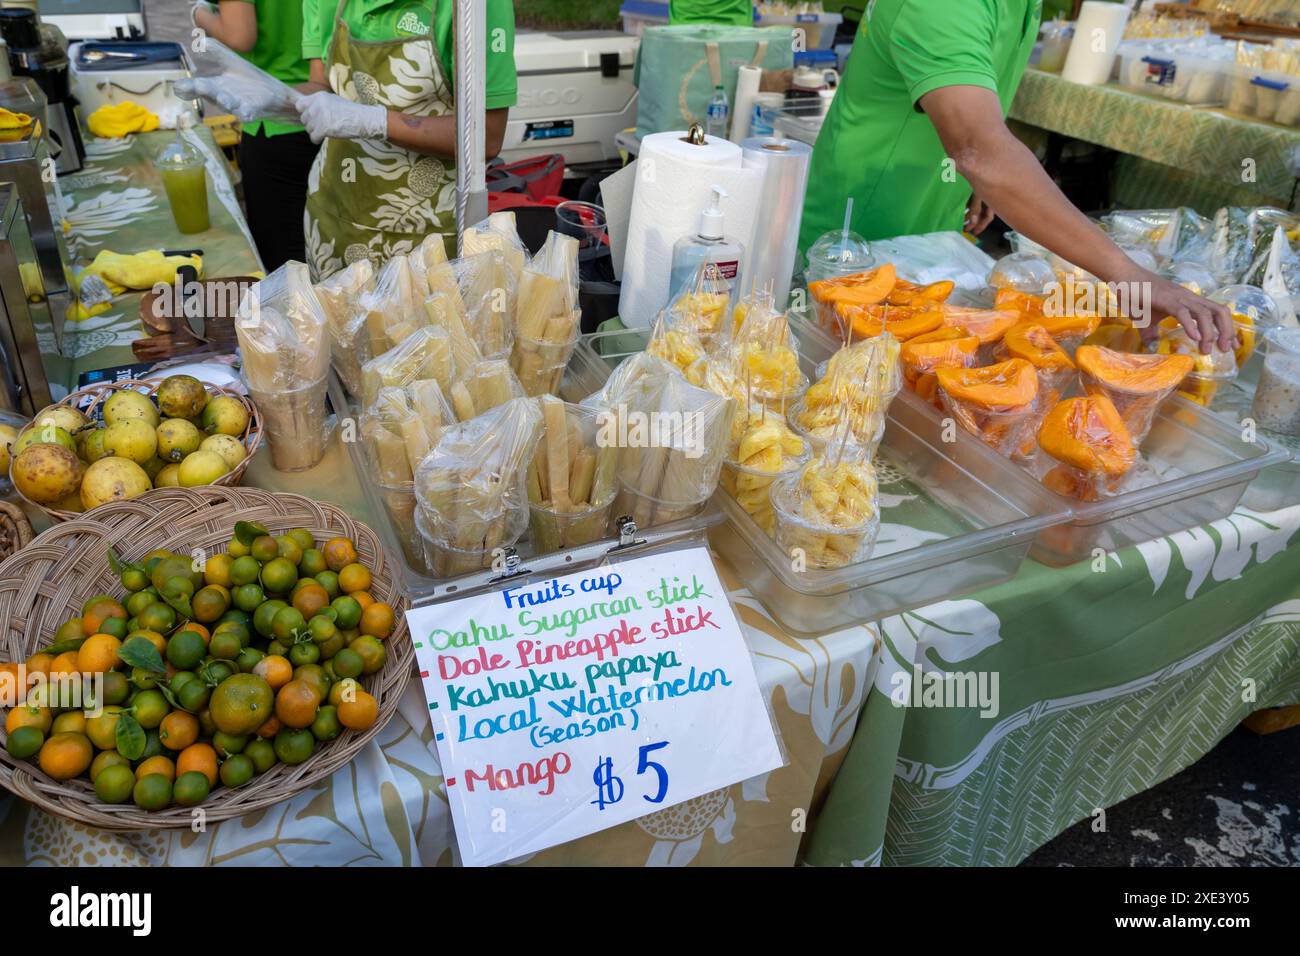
pixel 149 84
pixel 575 95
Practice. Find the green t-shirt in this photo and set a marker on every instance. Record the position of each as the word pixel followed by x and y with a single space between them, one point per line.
pixel 877 146
pixel 277 51
pixel 736 13
pixel 382 20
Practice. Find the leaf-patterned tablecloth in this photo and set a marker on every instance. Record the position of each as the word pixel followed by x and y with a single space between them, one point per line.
pixel 118 202
pixel 389 805
pixel 1112 678
pixel 1190 143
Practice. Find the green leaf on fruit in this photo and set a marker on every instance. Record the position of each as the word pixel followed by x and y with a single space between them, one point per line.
pixel 114 562
pixel 140 653
pixel 246 532
pixel 169 694
pixel 130 737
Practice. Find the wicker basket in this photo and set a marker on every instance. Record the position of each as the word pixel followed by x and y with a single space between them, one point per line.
pixel 99 394
pixel 46 583
pixel 15 529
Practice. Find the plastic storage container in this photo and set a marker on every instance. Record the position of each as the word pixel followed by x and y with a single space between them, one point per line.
pixel 1199 79
pixel 818 28
pixel 639 14
pixel 1146 67
pixel 1199 468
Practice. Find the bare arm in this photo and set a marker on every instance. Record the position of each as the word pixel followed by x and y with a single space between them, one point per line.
pixel 1006 175
pixel 436 135
pixel 316 82
pixel 234 24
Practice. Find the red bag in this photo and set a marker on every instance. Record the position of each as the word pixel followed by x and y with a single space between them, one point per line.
pixel 537 177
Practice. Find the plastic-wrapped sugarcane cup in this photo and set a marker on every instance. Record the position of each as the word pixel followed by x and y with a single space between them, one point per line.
pixel 443 560
pixel 295 423
pixel 540 364
pixel 820 546
pixel 554 529
pixel 648 511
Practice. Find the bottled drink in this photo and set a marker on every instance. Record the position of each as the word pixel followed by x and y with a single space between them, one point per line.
pixel 718 114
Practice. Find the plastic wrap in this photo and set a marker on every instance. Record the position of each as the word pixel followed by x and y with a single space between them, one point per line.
pixel 756 299
pixel 246 91
pixel 470 489
pixel 1168 234
pixel 995 402
pixel 485 385
pixel 445 310
pixel 988 325
pixel 1135 384
pixel 923 355
pixel 827 515
pixel 679 348
pixel 380 318
pixel 673 437
pixel 848 403
pixel 624 377
pixel 767 359
pixel 856 290
pixel 497 233
pixel 1089 446
pixel 1192 276
pixel 340 296
pixel 701 309
pixel 572 479
pixel 424 354
pixel 488 290
pixel 1255 314
pixel 1276 271
pixel 400 427
pixel 1051 363
pixel 763 448
pixel 548 321
pixel 283 332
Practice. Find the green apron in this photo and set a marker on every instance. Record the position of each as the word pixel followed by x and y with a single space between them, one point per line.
pixel 369 198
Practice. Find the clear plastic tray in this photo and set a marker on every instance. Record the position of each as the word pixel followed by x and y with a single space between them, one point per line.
pixel 981 519
pixel 1201 469
pixel 585 374
pixel 798 118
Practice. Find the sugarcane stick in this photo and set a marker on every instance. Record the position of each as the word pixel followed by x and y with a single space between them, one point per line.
pixel 394 467
pixel 416 440
pixel 462 402
pixel 557 449
pixel 602 484
pixel 583 474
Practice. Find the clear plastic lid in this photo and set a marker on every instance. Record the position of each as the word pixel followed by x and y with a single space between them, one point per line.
pixel 838 253
pixel 1024 272
pixel 1250 305
pixel 179 153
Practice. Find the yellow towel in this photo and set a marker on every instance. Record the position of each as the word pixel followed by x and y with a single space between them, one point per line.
pixel 12 120
pixel 112 122
pixel 144 270
pixel 79 313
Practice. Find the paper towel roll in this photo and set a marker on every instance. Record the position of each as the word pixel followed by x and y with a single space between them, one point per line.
pixel 774 242
pixel 673 182
pixel 1097 33
pixel 747 80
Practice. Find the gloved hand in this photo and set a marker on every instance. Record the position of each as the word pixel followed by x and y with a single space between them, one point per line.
pixel 247 97
pixel 328 114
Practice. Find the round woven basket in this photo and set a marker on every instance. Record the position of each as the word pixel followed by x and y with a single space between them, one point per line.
pixel 90 399
pixel 15 529
pixel 46 583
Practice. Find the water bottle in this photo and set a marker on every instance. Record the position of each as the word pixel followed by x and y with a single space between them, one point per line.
pixel 718 114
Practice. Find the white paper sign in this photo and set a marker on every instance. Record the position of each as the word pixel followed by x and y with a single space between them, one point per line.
pixel 571 705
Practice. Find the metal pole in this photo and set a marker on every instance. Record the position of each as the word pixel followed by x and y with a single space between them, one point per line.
pixel 471 132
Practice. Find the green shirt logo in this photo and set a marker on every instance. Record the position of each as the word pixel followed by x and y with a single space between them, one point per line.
pixel 410 24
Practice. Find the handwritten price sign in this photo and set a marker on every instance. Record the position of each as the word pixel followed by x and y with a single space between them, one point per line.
pixel 568 706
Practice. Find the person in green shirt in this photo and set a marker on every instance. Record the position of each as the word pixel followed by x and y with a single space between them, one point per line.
pixel 274 158
pixel 735 13
pixel 917 135
pixel 381 100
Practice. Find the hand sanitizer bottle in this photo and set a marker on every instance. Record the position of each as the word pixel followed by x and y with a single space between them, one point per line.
pixel 720 254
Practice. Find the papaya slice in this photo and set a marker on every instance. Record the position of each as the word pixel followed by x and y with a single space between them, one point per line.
pixel 1026 303
pixel 1033 343
pixel 1118 336
pixel 860 288
pixel 902 322
pixel 1005 386
pixel 909 293
pixel 1089 434
pixel 1077 326
pixel 1071 483
pixel 988 324
pixel 1131 372
pixel 945 347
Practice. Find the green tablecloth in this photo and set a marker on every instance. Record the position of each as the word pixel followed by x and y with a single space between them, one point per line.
pixel 1111 679
pixel 118 202
pixel 1176 154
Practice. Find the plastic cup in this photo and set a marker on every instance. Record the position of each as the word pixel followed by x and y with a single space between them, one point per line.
pixel 752 487
pixel 539 364
pixel 584 221
pixel 553 529
pixel 443 560
pixel 1002 430
pixel 1277 397
pixel 821 546
pixel 187 192
pixel 295 424
pixel 649 512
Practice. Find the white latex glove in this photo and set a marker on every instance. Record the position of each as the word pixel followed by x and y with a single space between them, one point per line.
pixel 328 114
pixel 250 97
